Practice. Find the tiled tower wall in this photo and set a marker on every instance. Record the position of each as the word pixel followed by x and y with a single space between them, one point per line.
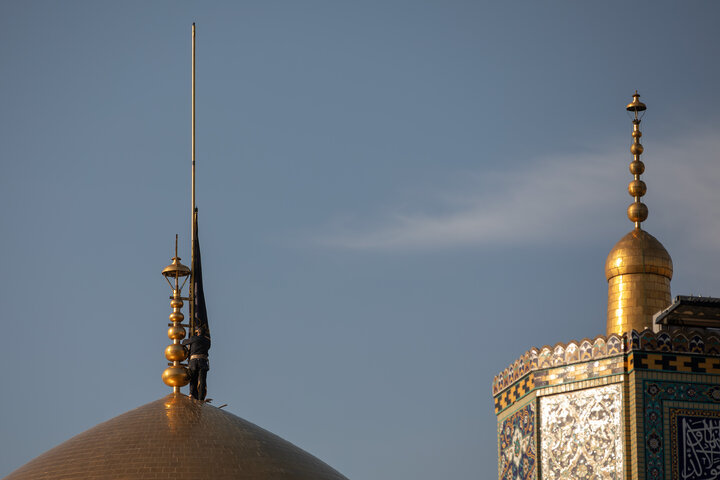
pixel 675 381
pixel 545 380
pixel 659 417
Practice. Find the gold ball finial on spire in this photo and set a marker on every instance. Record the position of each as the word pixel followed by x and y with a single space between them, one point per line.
pixel 176 375
pixel 637 212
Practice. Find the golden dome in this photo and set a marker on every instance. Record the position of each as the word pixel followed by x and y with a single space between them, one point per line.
pixel 638 271
pixel 638 252
pixel 176 438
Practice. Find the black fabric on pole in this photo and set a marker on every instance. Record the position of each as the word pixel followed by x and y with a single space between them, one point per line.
pixel 201 318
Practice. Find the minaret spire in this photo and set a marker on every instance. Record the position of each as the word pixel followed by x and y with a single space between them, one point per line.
pixel 637 211
pixel 638 268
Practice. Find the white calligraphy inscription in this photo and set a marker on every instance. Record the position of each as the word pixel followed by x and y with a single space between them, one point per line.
pixel 700 448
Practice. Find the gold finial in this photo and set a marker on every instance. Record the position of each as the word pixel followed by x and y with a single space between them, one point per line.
pixel 636 105
pixel 637 211
pixel 176 375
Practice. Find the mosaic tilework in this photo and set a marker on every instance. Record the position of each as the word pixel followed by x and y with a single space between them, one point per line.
pixel 560 354
pixel 677 341
pixel 515 392
pixel 519 368
pixel 680 341
pixel 581 434
pixel 560 375
pixel 516 439
pixel 671 362
pixel 580 371
pixel 582 385
pixel 655 393
pixel 695 443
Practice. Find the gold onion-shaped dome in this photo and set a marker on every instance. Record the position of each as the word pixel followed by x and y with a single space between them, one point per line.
pixel 638 270
pixel 638 252
pixel 176 438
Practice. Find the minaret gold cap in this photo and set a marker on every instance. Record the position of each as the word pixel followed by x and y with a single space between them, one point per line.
pixel 638 268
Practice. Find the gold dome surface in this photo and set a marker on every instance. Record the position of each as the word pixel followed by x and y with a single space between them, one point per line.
pixel 176 438
pixel 638 252
pixel 638 271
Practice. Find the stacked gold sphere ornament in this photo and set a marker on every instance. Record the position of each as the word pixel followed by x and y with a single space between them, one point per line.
pixel 637 211
pixel 638 268
pixel 176 374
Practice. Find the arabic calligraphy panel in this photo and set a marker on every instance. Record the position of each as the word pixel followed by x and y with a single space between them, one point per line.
pixel 695 438
pixel 581 434
pixel 659 397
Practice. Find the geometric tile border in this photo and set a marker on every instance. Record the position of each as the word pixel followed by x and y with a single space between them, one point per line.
pixel 560 354
pixel 540 379
pixel 515 392
pixel 671 362
pixel 578 375
pixel 680 340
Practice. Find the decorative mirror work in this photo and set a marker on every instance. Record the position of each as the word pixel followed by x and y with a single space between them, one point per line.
pixel 581 434
pixel 517 445
pixel 695 439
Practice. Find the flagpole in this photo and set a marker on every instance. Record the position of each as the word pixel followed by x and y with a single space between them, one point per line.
pixel 193 233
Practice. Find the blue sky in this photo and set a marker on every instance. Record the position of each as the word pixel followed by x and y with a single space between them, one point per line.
pixel 397 199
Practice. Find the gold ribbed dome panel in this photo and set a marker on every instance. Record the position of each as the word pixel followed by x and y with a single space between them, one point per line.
pixel 638 270
pixel 176 438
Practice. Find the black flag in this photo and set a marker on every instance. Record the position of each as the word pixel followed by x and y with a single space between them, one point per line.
pixel 201 318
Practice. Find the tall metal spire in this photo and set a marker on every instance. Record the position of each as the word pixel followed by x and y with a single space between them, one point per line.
pixel 637 211
pixel 176 375
pixel 193 233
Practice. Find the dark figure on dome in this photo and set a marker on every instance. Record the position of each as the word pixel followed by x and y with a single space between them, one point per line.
pixel 198 365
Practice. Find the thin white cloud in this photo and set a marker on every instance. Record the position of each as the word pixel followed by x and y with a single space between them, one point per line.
pixel 688 187
pixel 566 197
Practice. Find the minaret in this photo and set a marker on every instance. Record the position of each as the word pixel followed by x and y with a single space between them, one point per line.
pixel 638 268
